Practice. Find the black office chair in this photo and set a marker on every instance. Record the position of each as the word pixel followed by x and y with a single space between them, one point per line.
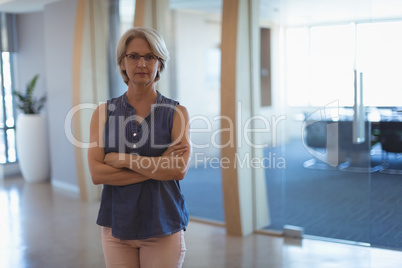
pixel 391 143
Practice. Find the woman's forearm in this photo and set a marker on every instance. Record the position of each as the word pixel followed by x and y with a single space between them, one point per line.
pixel 157 168
pixel 105 174
pixel 172 164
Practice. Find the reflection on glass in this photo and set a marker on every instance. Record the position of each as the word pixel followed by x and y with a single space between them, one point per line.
pixel 1 114
pixel 12 156
pixel 321 51
pixel 3 158
pixel 332 59
pixel 196 72
pixel 297 73
pixel 212 69
pixel 7 143
pixel 315 57
pixel 1 107
pixel 8 97
pixel 126 14
pixel 11 230
pixel 321 60
pixel 379 57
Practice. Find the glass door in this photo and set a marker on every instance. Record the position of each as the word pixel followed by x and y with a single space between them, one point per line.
pixel 195 83
pixel 379 57
pixel 327 178
pixel 327 140
pixel 336 75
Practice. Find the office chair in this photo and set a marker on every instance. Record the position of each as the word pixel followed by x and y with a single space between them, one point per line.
pixel 391 143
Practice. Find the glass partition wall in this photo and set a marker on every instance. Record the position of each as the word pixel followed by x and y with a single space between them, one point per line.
pixel 336 78
pixel 332 74
pixel 193 73
pixel 195 82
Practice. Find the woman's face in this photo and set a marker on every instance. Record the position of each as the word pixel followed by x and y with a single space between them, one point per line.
pixel 140 70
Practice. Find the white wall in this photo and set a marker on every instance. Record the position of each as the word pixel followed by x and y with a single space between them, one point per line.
pixel 28 62
pixel 59 23
pixel 30 52
pixel 46 48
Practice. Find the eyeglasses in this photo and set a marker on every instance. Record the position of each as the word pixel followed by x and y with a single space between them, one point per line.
pixel 135 58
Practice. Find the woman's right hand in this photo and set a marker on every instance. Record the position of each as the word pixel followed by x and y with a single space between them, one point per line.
pixel 176 149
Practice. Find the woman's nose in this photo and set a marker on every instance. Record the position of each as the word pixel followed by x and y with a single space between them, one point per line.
pixel 141 62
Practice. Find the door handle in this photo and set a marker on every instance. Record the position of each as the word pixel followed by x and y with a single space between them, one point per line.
pixel 359 135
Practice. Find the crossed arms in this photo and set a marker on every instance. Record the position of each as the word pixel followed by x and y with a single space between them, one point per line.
pixel 123 169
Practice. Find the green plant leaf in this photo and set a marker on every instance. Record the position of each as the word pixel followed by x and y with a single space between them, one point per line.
pixel 31 86
pixel 19 95
pixel 27 103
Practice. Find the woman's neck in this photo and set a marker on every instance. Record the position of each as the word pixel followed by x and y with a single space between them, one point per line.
pixel 141 94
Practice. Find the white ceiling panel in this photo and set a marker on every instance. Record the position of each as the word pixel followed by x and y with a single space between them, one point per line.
pixel 23 6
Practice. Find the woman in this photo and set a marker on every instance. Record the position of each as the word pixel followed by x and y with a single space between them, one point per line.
pixel 141 155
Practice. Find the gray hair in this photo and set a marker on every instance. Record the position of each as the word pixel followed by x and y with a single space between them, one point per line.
pixel 155 41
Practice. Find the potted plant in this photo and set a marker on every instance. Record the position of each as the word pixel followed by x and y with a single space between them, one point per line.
pixel 31 135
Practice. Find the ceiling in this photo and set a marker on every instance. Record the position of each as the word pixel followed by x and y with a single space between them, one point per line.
pixel 290 12
pixel 23 6
pixel 307 12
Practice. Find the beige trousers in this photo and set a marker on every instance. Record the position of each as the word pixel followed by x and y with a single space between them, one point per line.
pixel 165 251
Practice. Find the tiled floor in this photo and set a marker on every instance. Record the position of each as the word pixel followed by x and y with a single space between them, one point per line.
pixel 44 227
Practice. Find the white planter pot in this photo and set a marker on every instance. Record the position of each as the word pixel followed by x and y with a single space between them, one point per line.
pixel 32 147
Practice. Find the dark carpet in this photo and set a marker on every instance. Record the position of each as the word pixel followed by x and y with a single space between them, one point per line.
pixel 362 207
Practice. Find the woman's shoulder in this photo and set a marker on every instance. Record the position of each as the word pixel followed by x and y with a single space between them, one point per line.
pixel 162 99
pixel 117 104
pixel 117 99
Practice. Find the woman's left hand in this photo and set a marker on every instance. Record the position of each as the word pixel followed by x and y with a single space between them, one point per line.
pixel 115 160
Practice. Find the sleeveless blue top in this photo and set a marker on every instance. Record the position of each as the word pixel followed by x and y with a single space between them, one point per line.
pixel 151 208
